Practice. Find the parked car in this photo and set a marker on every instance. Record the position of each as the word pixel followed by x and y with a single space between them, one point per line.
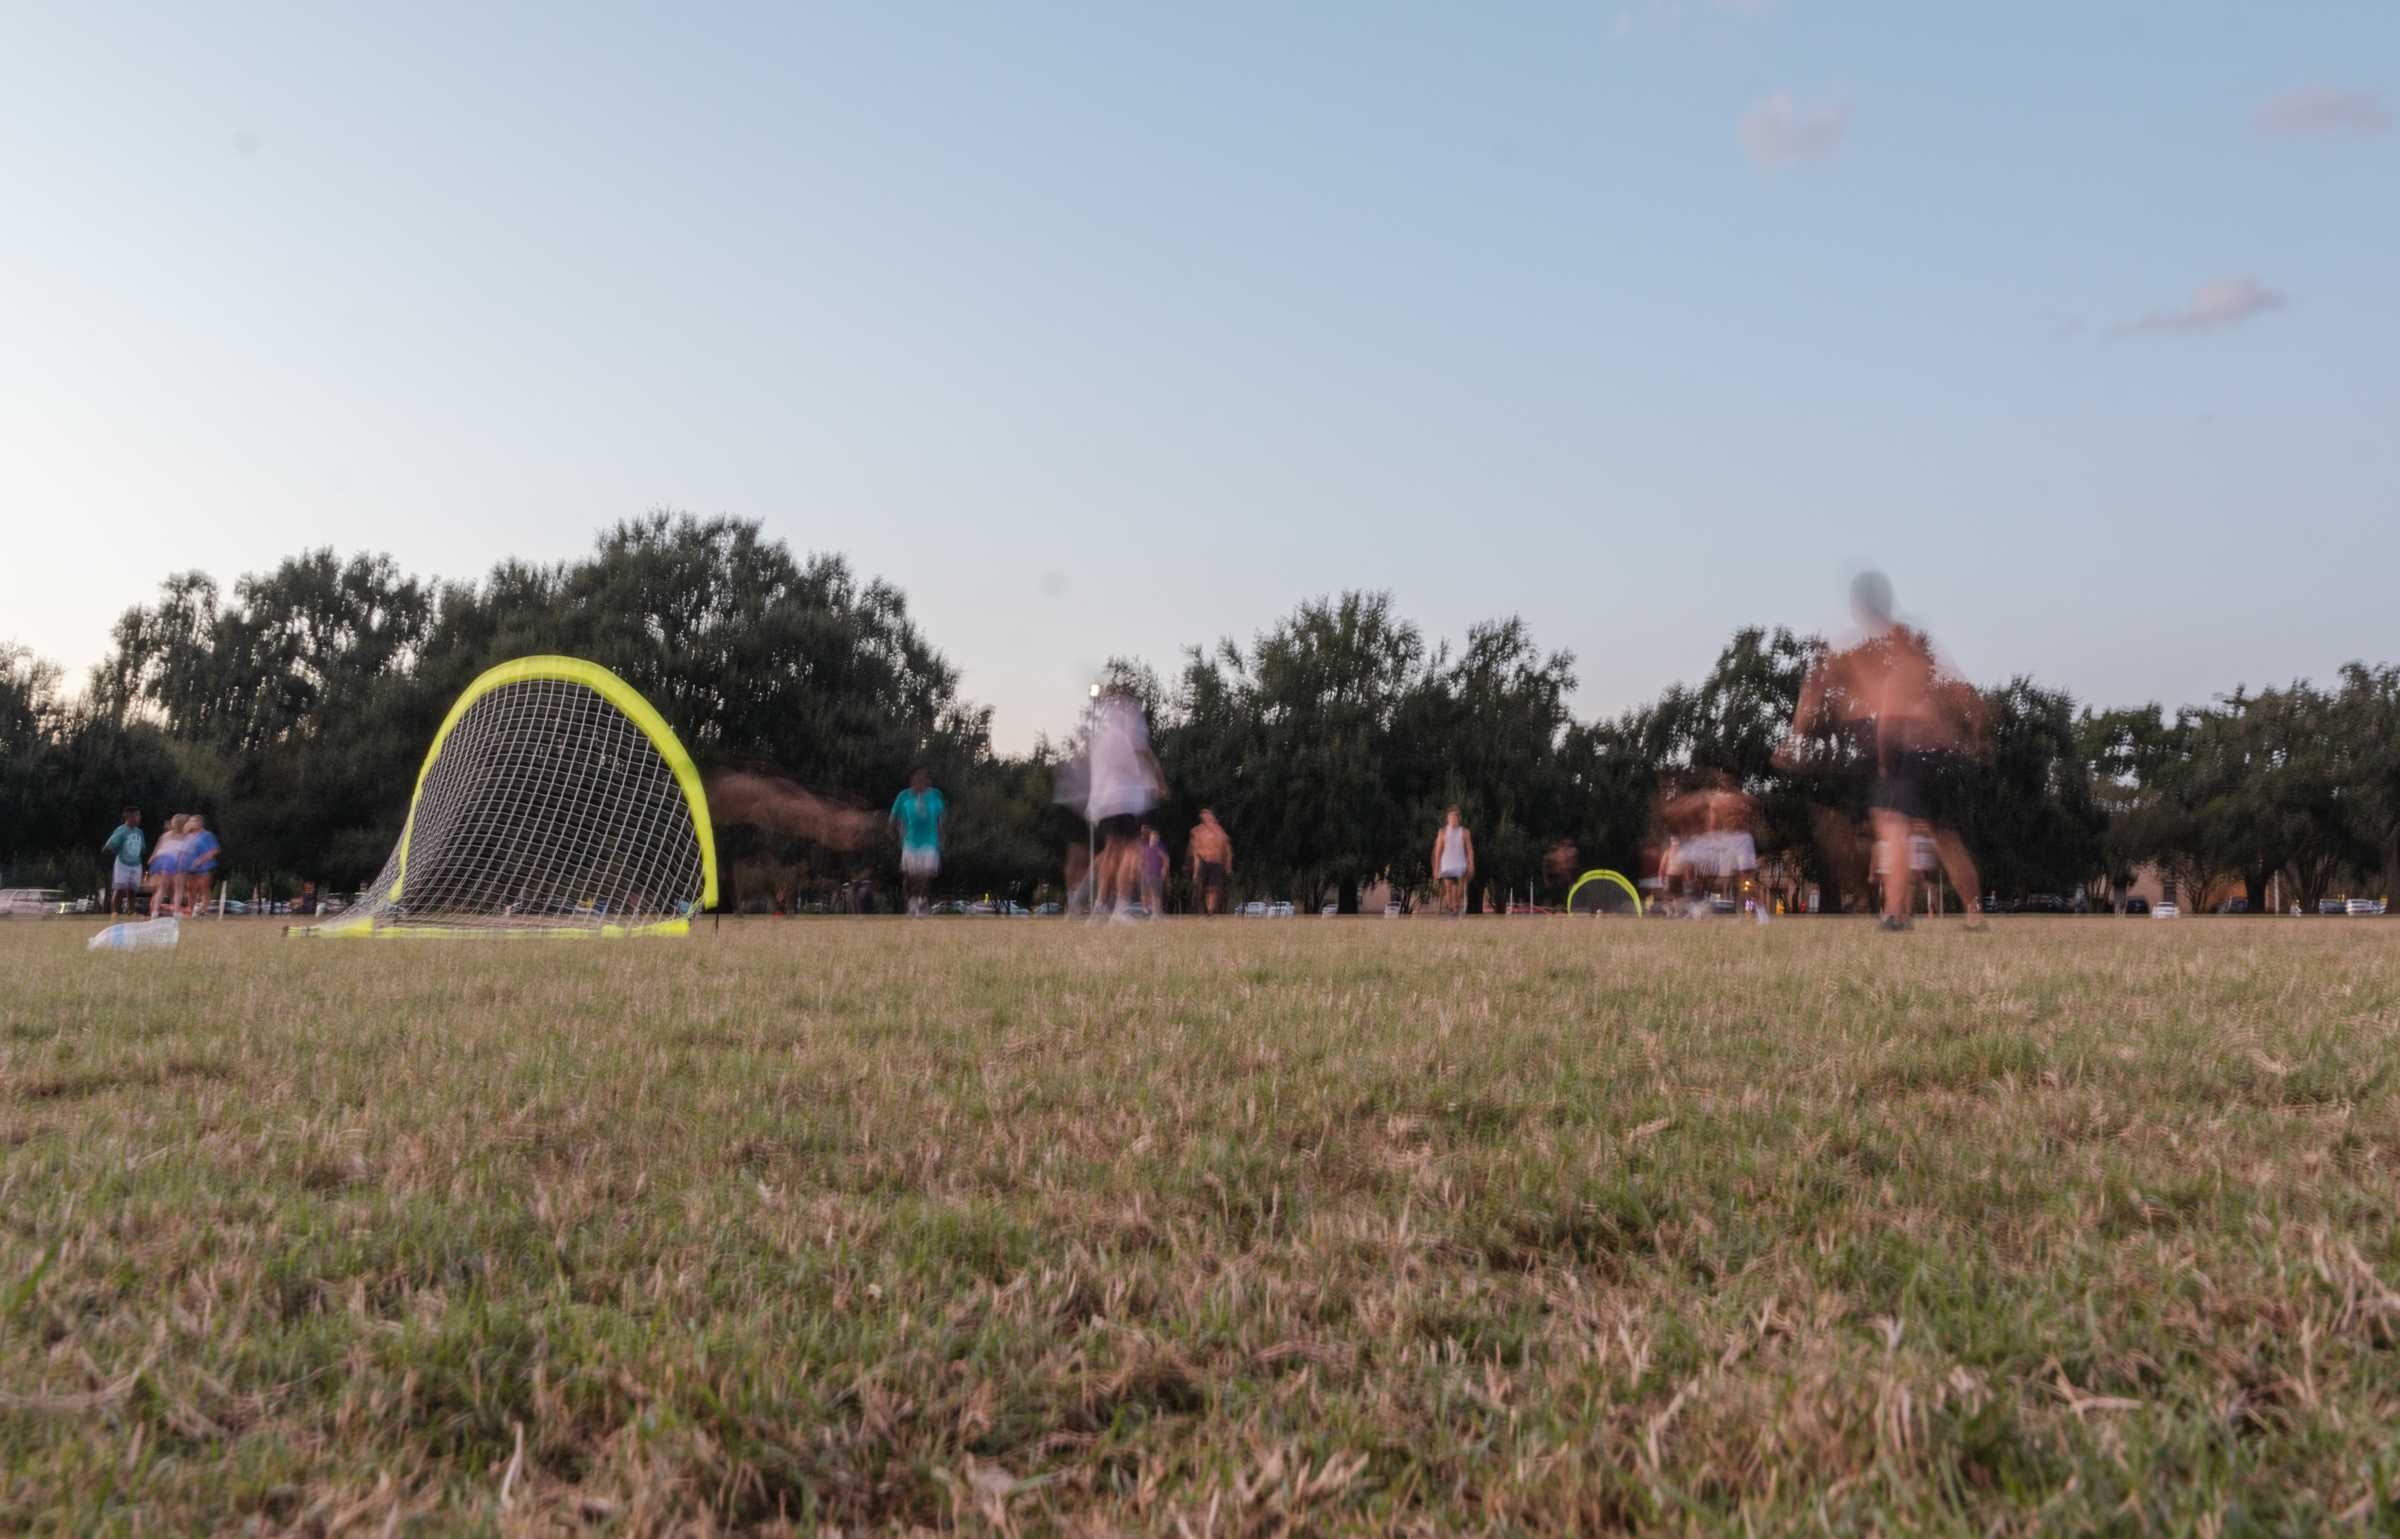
pixel 2333 907
pixel 1392 910
pixel 2365 908
pixel 1279 910
pixel 1256 908
pixel 2043 903
pixel 2137 905
pixel 1047 911
pixel 2165 911
pixel 2234 906
pixel 1329 911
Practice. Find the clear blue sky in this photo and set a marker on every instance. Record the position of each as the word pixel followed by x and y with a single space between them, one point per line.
pixel 1111 328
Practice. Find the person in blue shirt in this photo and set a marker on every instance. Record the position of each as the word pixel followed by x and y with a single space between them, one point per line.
pixel 917 814
pixel 124 849
pixel 199 864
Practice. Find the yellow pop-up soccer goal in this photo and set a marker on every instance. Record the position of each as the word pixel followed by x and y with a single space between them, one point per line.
pixel 554 801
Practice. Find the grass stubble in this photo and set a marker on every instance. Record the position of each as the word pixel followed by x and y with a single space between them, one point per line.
pixel 1232 1228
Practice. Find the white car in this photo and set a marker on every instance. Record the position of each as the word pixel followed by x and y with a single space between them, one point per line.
pixel 2364 908
pixel 2165 911
pixel 1254 909
pixel 1279 910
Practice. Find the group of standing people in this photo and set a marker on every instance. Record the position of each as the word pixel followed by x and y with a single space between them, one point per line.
pixel 180 870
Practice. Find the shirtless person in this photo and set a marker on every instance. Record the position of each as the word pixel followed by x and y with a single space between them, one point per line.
pixel 1454 862
pixel 1711 843
pixel 1212 860
pixel 1889 688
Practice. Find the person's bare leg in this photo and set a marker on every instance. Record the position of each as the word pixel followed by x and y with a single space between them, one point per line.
pixel 1960 867
pixel 1892 859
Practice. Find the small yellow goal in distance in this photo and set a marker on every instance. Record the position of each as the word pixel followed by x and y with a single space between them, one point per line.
pixel 555 801
pixel 1617 877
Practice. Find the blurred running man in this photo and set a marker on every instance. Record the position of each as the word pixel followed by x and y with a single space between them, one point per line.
pixel 1710 843
pixel 1212 860
pixel 124 850
pixel 1454 862
pixel 917 813
pixel 1911 719
pixel 1113 784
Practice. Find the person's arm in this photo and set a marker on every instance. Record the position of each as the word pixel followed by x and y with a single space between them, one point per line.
pixel 1812 701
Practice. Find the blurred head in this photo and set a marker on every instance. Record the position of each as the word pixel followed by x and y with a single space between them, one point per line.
pixel 1208 814
pixel 133 815
pixel 194 824
pixel 1451 816
pixel 1871 599
pixel 920 778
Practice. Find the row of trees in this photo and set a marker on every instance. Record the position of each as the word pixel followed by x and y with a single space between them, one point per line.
pixel 296 708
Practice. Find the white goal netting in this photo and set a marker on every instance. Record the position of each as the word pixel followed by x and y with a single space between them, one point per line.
pixel 554 801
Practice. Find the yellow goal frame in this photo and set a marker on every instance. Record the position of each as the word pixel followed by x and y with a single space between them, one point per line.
pixel 1617 877
pixel 629 701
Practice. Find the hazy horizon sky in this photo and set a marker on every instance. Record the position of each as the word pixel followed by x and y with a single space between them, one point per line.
pixel 1114 329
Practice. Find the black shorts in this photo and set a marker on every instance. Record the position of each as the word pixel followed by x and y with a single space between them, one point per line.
pixel 1901 788
pixel 1212 876
pixel 1124 825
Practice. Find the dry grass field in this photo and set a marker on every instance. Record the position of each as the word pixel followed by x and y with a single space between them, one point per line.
pixel 1541 1226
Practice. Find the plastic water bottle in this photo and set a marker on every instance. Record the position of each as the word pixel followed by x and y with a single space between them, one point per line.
pixel 136 937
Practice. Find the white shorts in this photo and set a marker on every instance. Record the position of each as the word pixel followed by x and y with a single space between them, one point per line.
pixel 1454 870
pixel 125 878
pixel 1719 854
pixel 925 862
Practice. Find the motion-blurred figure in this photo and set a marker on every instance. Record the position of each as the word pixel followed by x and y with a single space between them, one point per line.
pixel 1911 719
pixel 775 805
pixel 1711 848
pixel 1113 782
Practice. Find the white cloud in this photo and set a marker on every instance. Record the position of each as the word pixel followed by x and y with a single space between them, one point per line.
pixel 1781 131
pixel 2324 112
pixel 2227 302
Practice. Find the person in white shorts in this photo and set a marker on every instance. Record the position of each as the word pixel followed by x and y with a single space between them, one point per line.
pixel 1125 783
pixel 124 849
pixel 917 814
pixel 1712 847
pixel 1453 862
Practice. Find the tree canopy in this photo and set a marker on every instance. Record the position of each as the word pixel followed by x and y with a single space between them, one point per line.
pixel 295 710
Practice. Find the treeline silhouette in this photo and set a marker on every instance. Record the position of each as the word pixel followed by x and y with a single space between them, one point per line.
pixel 295 711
